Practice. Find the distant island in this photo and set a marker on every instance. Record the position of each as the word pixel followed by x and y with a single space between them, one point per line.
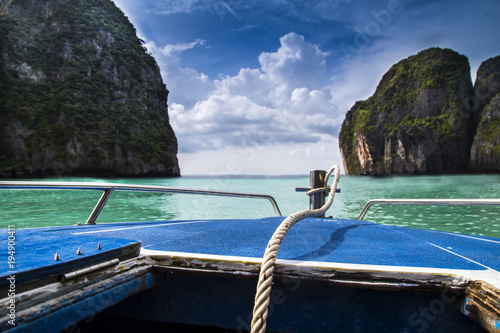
pixel 80 94
pixel 426 117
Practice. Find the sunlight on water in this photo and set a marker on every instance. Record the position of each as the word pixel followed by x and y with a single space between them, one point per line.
pixel 50 208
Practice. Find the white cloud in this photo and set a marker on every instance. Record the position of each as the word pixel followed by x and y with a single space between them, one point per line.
pixel 176 6
pixel 187 86
pixel 279 159
pixel 220 7
pixel 296 63
pixel 175 49
pixel 278 103
pixel 278 111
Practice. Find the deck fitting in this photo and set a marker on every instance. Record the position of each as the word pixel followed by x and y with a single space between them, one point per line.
pixel 79 251
pixel 56 257
pixel 99 246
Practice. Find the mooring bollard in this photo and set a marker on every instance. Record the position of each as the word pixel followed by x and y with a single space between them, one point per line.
pixel 317 180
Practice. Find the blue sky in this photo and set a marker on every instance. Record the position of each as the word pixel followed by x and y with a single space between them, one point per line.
pixel 262 87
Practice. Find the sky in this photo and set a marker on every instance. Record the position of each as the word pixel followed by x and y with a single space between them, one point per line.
pixel 262 87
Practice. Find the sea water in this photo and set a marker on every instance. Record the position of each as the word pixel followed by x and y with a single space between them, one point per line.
pixel 28 209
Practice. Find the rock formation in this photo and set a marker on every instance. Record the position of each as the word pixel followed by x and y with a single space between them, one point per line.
pixel 485 152
pixel 79 93
pixel 422 119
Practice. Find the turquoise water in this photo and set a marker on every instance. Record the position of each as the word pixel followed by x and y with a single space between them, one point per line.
pixel 27 209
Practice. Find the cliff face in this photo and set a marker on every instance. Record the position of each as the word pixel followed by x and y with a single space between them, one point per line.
pixel 485 152
pixel 418 121
pixel 79 94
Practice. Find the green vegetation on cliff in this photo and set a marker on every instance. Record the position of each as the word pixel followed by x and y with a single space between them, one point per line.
pixel 416 122
pixel 79 93
pixel 485 151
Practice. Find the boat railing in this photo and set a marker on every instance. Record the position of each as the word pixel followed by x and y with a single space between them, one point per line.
pixel 109 188
pixel 429 202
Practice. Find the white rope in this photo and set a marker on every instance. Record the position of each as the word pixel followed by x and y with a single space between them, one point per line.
pixel 261 305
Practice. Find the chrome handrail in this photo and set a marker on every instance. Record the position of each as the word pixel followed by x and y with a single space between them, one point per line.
pixel 109 188
pixel 430 202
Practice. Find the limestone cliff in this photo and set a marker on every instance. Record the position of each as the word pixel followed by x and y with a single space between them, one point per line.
pixel 485 152
pixel 79 94
pixel 418 121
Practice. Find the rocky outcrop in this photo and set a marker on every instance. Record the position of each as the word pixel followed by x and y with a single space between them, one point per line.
pixel 79 94
pixel 485 152
pixel 418 121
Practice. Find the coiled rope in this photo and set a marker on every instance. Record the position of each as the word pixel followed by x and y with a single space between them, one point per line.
pixel 261 305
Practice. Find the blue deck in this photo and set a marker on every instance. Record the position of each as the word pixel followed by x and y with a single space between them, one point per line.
pixel 35 251
pixel 322 240
pixel 188 291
